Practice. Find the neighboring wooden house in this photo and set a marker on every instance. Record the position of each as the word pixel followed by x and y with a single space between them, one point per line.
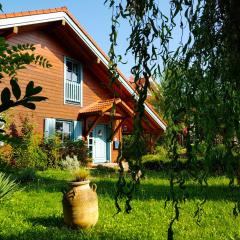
pixel 80 96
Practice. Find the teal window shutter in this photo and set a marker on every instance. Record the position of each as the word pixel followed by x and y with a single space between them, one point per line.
pixel 49 127
pixel 77 130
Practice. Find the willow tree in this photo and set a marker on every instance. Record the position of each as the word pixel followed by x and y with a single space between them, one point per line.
pixel 202 76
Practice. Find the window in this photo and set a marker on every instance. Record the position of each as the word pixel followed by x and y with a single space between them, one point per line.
pixel 64 129
pixel 73 81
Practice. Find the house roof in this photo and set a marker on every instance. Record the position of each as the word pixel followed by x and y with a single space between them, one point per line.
pixel 62 14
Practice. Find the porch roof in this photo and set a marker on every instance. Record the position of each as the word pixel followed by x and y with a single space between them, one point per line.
pixel 102 106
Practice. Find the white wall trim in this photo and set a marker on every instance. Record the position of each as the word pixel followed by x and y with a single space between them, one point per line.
pixel 51 17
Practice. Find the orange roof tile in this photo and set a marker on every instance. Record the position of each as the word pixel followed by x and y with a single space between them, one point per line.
pixel 99 106
pixel 34 12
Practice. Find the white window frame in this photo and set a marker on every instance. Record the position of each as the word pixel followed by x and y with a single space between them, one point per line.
pixel 81 81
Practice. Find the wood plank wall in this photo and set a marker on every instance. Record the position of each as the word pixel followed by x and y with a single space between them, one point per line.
pixel 52 81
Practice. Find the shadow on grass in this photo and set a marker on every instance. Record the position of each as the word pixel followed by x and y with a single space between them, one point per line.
pixel 51 221
pixel 148 189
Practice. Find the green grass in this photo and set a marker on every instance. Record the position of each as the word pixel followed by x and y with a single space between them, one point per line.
pixel 36 212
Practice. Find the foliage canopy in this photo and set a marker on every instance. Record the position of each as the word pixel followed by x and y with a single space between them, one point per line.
pixel 202 76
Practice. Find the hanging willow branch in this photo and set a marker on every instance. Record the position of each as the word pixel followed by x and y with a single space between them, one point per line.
pixel 201 82
pixel 146 43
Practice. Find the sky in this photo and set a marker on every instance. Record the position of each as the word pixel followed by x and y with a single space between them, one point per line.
pixel 93 15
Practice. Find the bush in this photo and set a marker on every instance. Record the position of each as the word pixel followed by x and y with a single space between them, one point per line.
pixel 156 165
pixel 156 161
pixel 129 151
pixel 26 175
pixel 162 151
pixel 52 149
pixel 30 154
pixel 6 154
pixel 200 149
pixel 220 161
pixel 70 163
pixel 75 148
pixel 26 151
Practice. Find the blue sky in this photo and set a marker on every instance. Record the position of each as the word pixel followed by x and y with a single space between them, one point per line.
pixel 93 15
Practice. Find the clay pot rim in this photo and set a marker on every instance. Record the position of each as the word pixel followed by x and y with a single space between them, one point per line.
pixel 79 183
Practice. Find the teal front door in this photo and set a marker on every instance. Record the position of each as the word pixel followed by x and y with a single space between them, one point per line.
pixel 100 145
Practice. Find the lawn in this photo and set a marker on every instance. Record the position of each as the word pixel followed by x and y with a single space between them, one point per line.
pixel 36 212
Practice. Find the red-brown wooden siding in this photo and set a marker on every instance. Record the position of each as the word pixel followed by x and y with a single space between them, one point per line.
pixel 52 81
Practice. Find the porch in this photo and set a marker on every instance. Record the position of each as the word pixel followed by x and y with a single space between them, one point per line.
pixel 103 124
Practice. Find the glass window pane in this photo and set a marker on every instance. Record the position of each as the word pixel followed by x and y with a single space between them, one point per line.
pixel 69 70
pixel 59 126
pixel 59 129
pixel 66 127
pixel 75 73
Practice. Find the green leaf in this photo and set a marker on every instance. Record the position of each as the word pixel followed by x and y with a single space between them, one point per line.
pixel 7 185
pixel 36 90
pixel 29 105
pixel 15 89
pixel 5 96
pixel 36 98
pixel 29 88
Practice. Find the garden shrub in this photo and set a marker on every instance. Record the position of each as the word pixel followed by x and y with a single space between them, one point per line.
pixel 27 151
pixel 70 163
pixel 52 147
pixel 26 175
pixel 161 150
pixel 218 161
pixel 128 150
pixel 30 154
pixel 153 164
pixel 199 149
pixel 75 148
pixel 6 154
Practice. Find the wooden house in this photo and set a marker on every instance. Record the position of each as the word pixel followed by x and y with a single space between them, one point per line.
pixel 80 96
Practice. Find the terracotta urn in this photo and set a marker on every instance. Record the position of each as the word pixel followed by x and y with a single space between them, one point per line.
pixel 80 205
